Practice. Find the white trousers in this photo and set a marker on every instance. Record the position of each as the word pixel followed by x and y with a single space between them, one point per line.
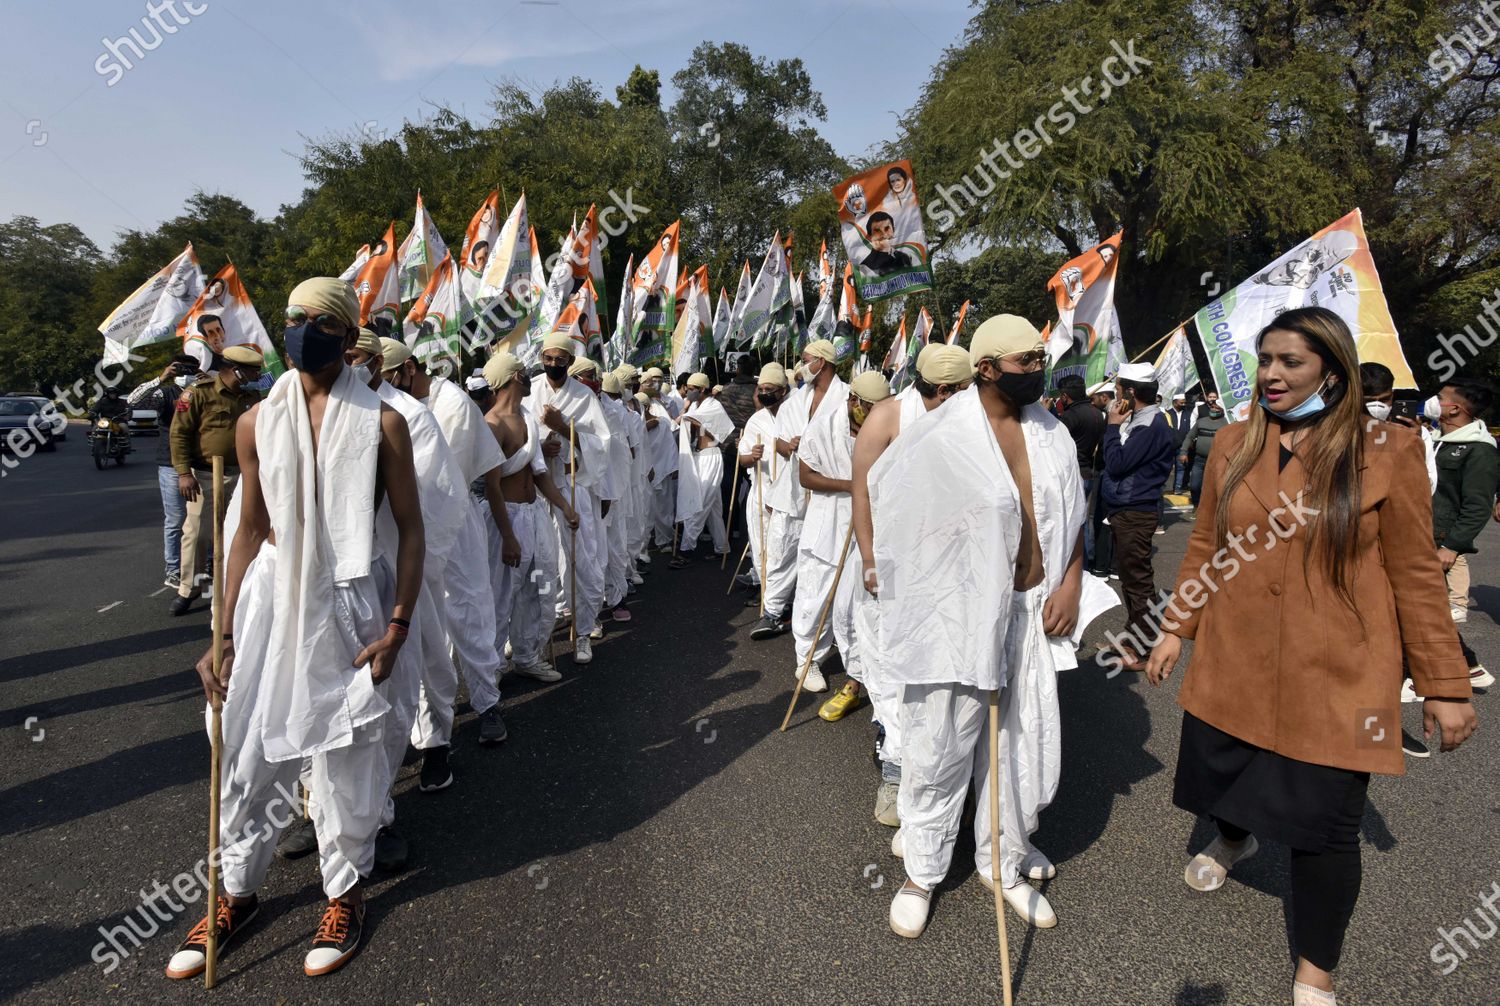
pixel 532 612
pixel 709 466
pixel 885 694
pixel 617 565
pixel 468 618
pixel 347 785
pixel 814 581
pixel 504 579
pixel 945 747
pixel 664 509
pixel 783 533
pixel 587 576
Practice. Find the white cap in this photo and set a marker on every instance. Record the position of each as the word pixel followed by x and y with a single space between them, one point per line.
pixel 1103 388
pixel 1140 373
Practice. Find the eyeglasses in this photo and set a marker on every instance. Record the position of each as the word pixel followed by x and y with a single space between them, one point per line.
pixel 1030 358
pixel 325 323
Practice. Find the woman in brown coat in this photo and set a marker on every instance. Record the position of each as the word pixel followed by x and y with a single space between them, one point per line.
pixel 1308 579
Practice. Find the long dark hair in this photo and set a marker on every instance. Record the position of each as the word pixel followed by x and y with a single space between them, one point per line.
pixel 1333 453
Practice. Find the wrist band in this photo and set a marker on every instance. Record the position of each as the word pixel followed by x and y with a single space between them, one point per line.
pixel 399 630
pixel 401 622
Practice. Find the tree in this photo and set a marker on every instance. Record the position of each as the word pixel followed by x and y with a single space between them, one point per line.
pixel 46 276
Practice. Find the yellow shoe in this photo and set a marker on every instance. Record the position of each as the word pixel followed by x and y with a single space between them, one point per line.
pixel 846 701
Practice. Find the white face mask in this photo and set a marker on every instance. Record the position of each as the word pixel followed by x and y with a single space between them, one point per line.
pixel 1380 410
pixel 1432 409
pixel 184 380
pixel 361 373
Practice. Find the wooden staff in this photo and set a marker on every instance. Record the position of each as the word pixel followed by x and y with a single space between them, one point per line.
pixel 729 517
pixel 995 841
pixel 573 534
pixel 216 732
pixel 822 618
pixel 743 552
pixel 760 509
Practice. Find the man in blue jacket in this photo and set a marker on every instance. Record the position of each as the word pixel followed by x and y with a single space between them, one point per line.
pixel 1138 450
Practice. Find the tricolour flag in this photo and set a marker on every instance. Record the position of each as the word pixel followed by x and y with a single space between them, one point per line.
pixel 432 327
pixel 479 243
pixel 580 320
pixel 958 323
pixel 619 347
pixel 360 258
pixel 151 313
pixel 881 225
pixel 654 292
pixel 224 300
pixel 718 337
pixel 696 322
pixel 419 254
pixel 1332 269
pixel 378 285
pixel 737 309
pixel 1086 339
pixel 1175 370
pixel 769 295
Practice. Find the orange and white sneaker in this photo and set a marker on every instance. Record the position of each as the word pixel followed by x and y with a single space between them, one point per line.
pixel 191 956
pixel 337 939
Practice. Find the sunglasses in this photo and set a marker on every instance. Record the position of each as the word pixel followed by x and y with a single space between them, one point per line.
pixel 1030 358
pixel 325 323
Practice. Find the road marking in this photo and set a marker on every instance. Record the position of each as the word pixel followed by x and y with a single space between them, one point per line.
pixel 108 606
pixel 155 592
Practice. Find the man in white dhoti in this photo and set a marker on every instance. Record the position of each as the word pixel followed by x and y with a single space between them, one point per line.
pixel 701 429
pixel 977 512
pixel 661 450
pixel 556 400
pixel 823 392
pixel 757 452
pixel 826 455
pixel 611 494
pixel 524 611
pixel 318 618
pixel 942 371
pixel 468 605
pixel 627 429
pixel 444 498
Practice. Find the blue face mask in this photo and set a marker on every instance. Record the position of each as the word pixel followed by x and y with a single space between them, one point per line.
pixel 1309 406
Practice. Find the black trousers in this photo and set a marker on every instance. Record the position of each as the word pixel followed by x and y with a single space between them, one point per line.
pixel 1133 532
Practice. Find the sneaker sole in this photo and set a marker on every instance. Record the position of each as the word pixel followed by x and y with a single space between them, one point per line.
pixel 195 972
pixel 337 963
pixel 1484 681
pixel 439 788
pixel 492 741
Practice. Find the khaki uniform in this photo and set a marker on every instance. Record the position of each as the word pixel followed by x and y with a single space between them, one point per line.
pixel 202 429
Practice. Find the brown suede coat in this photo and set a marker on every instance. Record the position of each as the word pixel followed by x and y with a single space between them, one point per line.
pixel 1279 660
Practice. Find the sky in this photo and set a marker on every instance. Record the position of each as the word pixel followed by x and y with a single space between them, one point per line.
pixel 223 102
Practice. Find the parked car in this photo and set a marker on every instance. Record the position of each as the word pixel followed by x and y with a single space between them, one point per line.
pixel 25 414
pixel 143 423
pixel 59 421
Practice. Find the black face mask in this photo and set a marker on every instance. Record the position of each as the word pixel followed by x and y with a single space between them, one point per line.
pixel 1022 389
pixel 769 400
pixel 555 372
pixel 311 349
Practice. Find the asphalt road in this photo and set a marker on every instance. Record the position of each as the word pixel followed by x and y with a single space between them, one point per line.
pixel 646 835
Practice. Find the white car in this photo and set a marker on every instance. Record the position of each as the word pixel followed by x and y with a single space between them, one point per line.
pixel 59 421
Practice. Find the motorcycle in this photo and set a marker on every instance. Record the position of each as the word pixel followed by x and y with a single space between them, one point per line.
pixel 108 439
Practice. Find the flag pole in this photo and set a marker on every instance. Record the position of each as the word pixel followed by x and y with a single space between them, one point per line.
pixel 743 552
pixel 573 538
pixel 760 509
pixel 995 843
pixel 729 517
pixel 1158 342
pixel 822 618
pixel 216 732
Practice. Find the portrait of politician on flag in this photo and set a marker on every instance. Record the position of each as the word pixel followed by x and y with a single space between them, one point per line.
pixel 881 224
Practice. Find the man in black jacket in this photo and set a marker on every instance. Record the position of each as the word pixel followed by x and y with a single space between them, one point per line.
pixel 1467 466
pixel 161 394
pixel 1138 449
pixel 1086 425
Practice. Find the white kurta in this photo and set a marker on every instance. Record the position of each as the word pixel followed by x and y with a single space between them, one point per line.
pixel 827 448
pixel 700 473
pixel 760 431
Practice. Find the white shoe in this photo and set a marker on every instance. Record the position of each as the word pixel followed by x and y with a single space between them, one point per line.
pixel 1026 901
pixel 1036 866
pixel 909 911
pixel 645 556
pixel 539 669
pixel 1459 614
pixel 1409 692
pixel 898 847
pixel 637 579
pixel 1208 870
pixel 598 632
pixel 508 651
pixel 1306 995
pixel 582 651
pixel 814 682
pixel 1480 678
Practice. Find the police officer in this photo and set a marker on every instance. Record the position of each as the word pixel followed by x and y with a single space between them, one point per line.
pixel 202 429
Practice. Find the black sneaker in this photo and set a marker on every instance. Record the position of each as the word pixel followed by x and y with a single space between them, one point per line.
pixel 491 726
pixel 337 939
pixel 435 773
pixel 298 840
pixel 391 851
pixel 1413 747
pixel 681 560
pixel 768 627
pixel 192 954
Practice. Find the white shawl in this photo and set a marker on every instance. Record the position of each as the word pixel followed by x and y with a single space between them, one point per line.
pixel 828 450
pixel 692 492
pixel 463 425
pixel 575 402
pixel 661 446
pixel 526 454
pixel 316 696
pixel 947 522
pixel 441 489
pixel 791 422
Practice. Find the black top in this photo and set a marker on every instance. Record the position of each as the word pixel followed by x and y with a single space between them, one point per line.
pixel 1086 425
